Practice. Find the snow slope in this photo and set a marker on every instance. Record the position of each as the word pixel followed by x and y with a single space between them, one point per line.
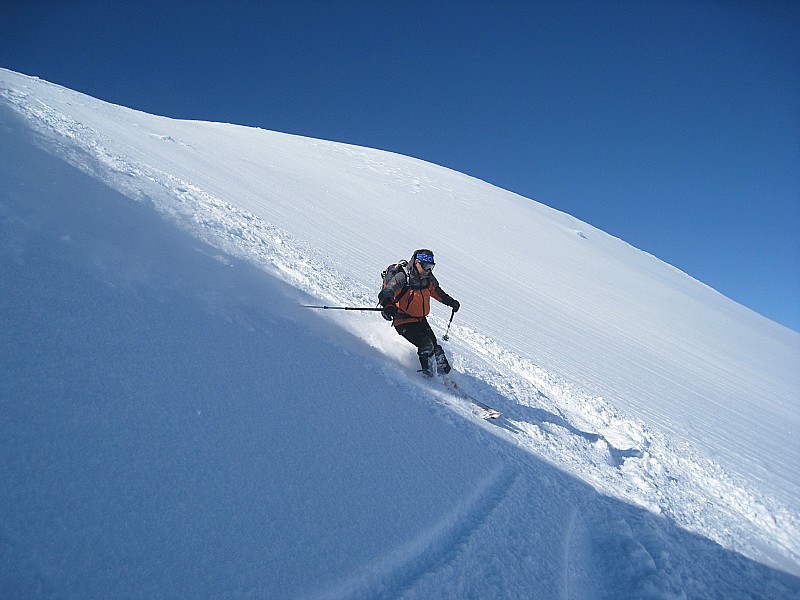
pixel 178 427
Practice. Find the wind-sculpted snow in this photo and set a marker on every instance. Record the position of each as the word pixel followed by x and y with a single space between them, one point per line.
pixel 204 436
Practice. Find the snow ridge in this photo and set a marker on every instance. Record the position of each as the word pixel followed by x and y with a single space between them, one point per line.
pixel 620 455
pixel 212 219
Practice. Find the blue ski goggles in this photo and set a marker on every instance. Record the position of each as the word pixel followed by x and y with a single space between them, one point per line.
pixel 426 260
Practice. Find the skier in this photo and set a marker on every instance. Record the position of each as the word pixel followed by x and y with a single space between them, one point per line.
pixel 406 301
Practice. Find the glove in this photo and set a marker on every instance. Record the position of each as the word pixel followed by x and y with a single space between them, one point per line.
pixel 455 305
pixel 389 311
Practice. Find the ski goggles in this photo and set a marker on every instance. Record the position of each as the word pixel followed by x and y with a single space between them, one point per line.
pixel 426 260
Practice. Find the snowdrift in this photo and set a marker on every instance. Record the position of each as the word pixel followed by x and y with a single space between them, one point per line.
pixel 175 425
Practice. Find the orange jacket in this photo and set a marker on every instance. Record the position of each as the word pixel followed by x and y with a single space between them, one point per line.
pixel 412 293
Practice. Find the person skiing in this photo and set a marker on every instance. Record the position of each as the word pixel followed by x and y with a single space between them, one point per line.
pixel 406 301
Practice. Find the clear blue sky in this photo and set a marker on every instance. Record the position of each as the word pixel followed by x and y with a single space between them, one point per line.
pixel 674 125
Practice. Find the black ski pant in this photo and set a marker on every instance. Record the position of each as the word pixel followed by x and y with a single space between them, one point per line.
pixel 421 335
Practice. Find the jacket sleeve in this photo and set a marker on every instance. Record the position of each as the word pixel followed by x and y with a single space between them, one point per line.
pixel 388 295
pixel 438 293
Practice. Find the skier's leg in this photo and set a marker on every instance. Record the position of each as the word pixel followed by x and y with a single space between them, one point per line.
pixel 425 353
pixel 420 334
pixel 442 364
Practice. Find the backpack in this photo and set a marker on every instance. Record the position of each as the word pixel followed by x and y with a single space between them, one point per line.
pixel 392 270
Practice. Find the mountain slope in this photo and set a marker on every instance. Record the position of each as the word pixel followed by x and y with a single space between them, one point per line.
pixel 630 376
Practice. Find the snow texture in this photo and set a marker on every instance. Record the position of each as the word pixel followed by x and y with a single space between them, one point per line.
pixel 175 425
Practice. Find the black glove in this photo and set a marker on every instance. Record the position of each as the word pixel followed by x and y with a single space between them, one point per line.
pixel 455 305
pixel 385 297
pixel 389 311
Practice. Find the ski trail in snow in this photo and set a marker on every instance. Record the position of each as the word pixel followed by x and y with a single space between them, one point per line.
pixel 388 576
pixel 567 555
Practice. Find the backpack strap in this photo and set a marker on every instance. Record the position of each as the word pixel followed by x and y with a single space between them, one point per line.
pixel 403 264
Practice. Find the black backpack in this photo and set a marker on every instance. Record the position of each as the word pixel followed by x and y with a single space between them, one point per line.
pixel 392 270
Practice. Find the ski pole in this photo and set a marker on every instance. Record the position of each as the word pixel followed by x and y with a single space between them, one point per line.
pixel 447 333
pixel 373 308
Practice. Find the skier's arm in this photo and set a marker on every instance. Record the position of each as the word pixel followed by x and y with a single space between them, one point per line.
pixel 439 294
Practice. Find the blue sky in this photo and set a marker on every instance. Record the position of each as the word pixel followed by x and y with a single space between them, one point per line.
pixel 674 125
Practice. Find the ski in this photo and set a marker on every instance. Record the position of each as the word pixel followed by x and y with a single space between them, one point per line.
pixel 486 411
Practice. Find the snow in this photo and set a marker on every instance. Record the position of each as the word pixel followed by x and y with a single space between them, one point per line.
pixel 176 425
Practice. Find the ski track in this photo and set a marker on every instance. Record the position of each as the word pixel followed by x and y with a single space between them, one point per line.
pixel 568 551
pixel 543 414
pixel 393 575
